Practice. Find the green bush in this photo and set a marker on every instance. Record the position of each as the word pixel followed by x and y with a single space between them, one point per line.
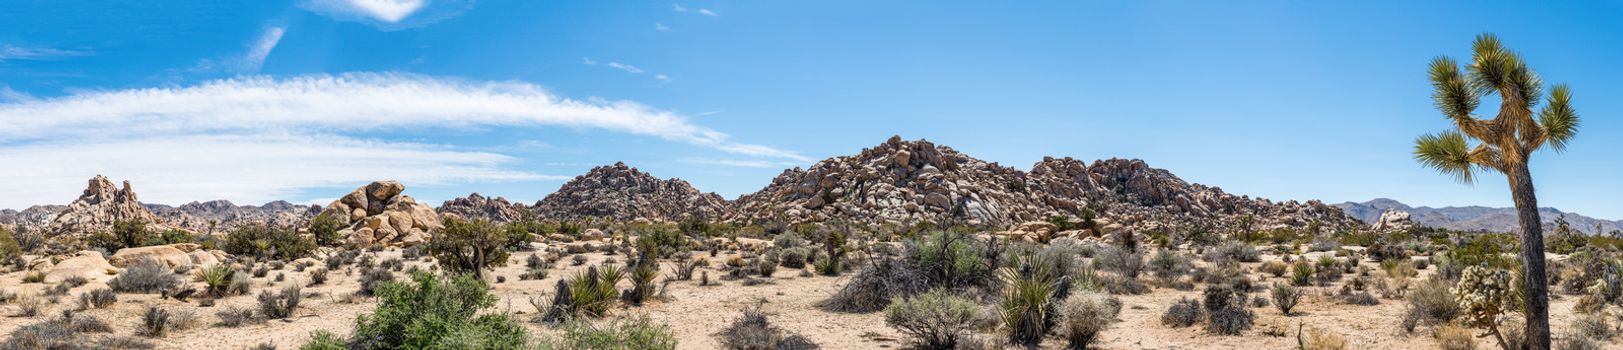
pixel 520 234
pixel 593 292
pixel 438 313
pixel 324 340
pixel 950 258
pixel 633 333
pixel 935 319
pixel 325 228
pixel 9 249
pixel 469 246
pixel 267 242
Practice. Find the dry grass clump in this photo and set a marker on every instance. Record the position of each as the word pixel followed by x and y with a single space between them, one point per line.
pixel 1452 337
pixel 753 331
pixel 70 332
pixel 146 276
pixel 97 299
pixel 1087 314
pixel 1317 339
pixel 1225 311
pixel 1285 297
pixel 279 305
pixel 1184 313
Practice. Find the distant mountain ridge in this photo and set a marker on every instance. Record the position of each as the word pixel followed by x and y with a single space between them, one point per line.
pixel 1473 218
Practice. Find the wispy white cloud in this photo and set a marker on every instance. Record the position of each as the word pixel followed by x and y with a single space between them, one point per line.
pixel 10 52
pixel 661 27
pixel 262 48
pixel 625 67
pixel 388 14
pixel 702 11
pixel 348 102
pixel 252 139
pixel 244 168
pixel 662 78
pixel 247 61
pixel 7 94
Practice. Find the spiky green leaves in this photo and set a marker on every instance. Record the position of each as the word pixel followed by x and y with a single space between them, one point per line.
pixel 1558 119
pixel 1452 95
pixel 1447 152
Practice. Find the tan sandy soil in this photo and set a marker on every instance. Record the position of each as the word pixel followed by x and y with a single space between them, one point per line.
pixel 695 313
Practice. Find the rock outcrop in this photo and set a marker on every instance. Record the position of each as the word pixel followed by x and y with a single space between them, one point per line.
pixel 32 217
pixel 910 182
pixel 1479 218
pixel 620 192
pixel 1132 193
pixel 174 255
pixel 102 205
pixel 1392 220
pixel 86 264
pixel 497 210
pixel 379 214
pixel 218 216
pixel 899 183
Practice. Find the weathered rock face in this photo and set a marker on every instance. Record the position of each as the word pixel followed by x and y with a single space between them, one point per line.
pixel 907 182
pixel 621 192
pixel 32 217
pixel 1393 220
pixel 218 216
pixel 1132 193
pixel 101 205
pixel 497 209
pixel 901 183
pixel 87 264
pixel 378 214
pixel 174 255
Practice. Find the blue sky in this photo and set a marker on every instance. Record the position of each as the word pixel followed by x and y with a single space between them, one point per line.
pixel 304 100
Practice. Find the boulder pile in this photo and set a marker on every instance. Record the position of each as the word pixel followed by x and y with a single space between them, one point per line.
pixel 497 209
pixel 102 205
pixel 623 193
pixel 378 214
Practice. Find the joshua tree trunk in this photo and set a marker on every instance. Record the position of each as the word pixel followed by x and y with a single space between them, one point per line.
pixel 1534 285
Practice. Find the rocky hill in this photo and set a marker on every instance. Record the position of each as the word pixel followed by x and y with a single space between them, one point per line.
pixel 902 183
pixel 1133 193
pixel 497 209
pixel 907 182
pixel 621 192
pixel 33 216
pixel 222 215
pixel 1473 218
pixel 101 205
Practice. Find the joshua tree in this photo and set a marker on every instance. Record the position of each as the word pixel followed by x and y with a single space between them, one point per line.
pixel 1503 144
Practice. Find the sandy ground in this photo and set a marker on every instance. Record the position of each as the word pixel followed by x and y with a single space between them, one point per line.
pixel 695 313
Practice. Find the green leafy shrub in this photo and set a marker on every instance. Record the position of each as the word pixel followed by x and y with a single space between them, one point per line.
pixel 268 242
pixel 324 340
pixel 1301 273
pixel 324 229
pixel 469 246
pixel 631 333
pixel 936 319
pixel 434 312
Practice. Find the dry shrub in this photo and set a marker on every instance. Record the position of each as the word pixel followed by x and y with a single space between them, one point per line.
pixel 1452 337
pixel 1186 312
pixel 1318 339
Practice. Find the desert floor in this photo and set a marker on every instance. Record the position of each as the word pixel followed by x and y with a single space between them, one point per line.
pixel 697 312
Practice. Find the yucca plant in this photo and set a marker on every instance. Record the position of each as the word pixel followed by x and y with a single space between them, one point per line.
pixel 1028 308
pixel 1503 144
pixel 593 291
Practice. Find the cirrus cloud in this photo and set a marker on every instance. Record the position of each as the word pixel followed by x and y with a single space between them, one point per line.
pixel 252 139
